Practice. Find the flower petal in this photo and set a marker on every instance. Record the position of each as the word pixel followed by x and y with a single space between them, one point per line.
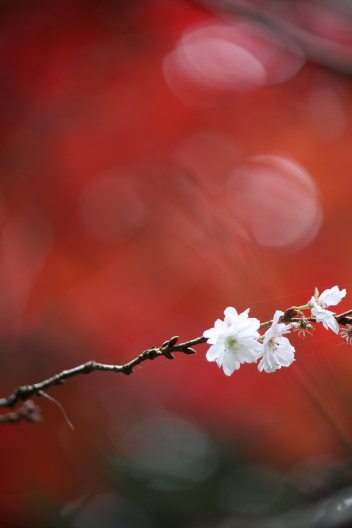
pixel 268 365
pixel 285 352
pixel 219 324
pixel 230 363
pixel 276 329
pixel 213 353
pixel 277 316
pixel 332 324
pixel 230 315
pixel 234 341
pixel 332 296
pixel 326 317
pixel 211 335
pixel 278 353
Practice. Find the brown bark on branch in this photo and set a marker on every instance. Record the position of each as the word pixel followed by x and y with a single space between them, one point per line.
pixel 28 411
pixel 167 349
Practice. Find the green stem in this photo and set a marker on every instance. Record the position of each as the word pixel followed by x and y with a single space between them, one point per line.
pixel 304 307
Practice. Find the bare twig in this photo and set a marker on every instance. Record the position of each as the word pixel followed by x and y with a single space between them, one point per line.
pixel 167 349
pixel 29 412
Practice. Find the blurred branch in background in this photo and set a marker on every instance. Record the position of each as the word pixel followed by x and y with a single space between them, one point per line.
pixel 29 412
pixel 323 29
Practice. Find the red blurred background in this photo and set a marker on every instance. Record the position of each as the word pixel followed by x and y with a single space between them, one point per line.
pixel 159 161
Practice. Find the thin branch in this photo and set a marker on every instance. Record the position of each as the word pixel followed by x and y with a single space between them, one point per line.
pixel 167 349
pixel 60 406
pixel 29 412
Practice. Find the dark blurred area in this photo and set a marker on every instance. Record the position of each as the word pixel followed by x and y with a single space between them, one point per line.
pixel 159 161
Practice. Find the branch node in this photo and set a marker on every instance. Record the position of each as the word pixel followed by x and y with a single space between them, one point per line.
pixel 28 411
pixel 22 393
pixel 89 367
pixel 152 353
pixel 167 347
pixel 289 314
pixel 126 369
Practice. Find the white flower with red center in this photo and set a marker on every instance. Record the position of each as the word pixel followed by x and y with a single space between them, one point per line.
pixel 277 350
pixel 234 340
pixel 318 304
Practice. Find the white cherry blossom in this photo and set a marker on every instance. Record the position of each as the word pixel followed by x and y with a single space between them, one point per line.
pixel 318 306
pixel 277 350
pixel 234 340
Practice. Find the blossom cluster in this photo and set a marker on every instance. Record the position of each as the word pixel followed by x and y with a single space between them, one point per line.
pixel 237 339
